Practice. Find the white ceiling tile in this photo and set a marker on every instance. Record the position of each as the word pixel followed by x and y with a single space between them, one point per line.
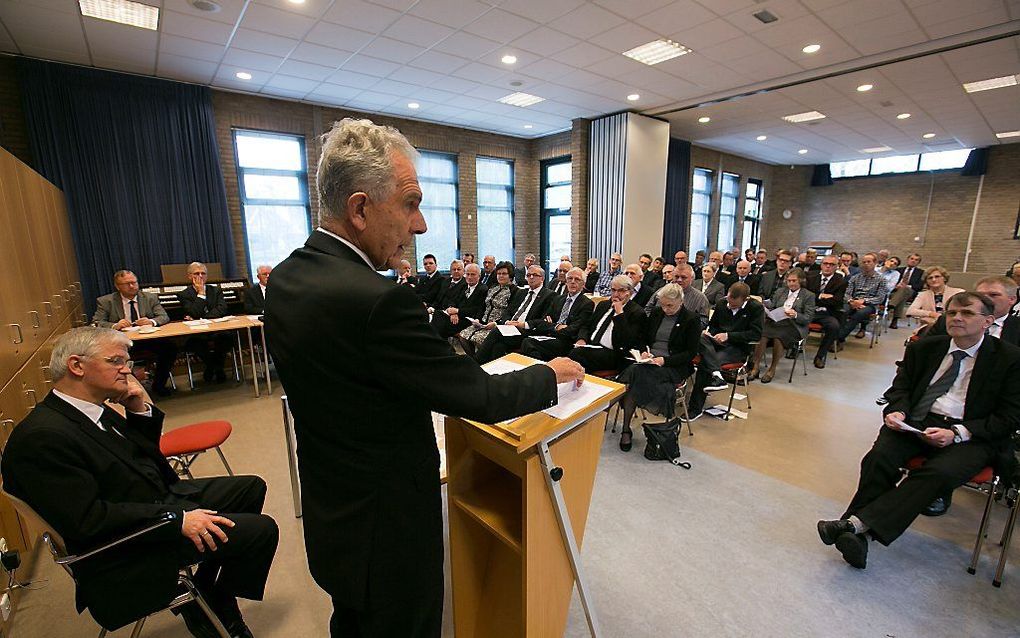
pixel 392 50
pixel 338 36
pixel 492 93
pixel 306 70
pixel 584 54
pixel 393 87
pixel 541 11
pixel 249 60
pixel 682 15
pixel 547 69
pixel 53 5
pixel 586 21
pixel 478 72
pixel 373 100
pixel 260 42
pixel 733 50
pixel 438 62
pixel 350 78
pixel 140 64
pixel 230 10
pixel 263 18
pixel 417 31
pixel 726 7
pixel 580 79
pixel 58 55
pixel 105 36
pixel 176 45
pixel 848 13
pixel 316 54
pixel 32 27
pixel 186 69
pixel 544 41
pixel 633 8
pixel 435 95
pixel 336 91
pixel 466 45
pixel 361 15
pixel 309 8
pixel 370 66
pixel 284 93
pixel 782 9
pixel 868 44
pixel 195 27
pixel 624 37
pixel 967 23
pixel 707 34
pixel 291 83
pixel 501 26
pixel 453 13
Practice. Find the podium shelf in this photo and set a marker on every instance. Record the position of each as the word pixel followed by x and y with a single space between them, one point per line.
pixel 496 505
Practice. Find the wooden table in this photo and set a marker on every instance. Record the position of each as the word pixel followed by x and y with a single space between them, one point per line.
pixel 238 323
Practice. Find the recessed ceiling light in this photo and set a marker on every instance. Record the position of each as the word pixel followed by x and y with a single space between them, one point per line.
pixel 876 149
pixel 509 59
pixel 762 138
pixel 413 105
pixel 902 116
pixel 296 1
pixel 704 119
pixel 802 151
pixel 993 83
pixel 134 14
pixel 804 117
pixel 865 87
pixel 521 99
pixel 633 97
pixel 811 48
pixel 928 136
pixel 657 51
pixel 1007 134
pixel 243 75
pixel 529 126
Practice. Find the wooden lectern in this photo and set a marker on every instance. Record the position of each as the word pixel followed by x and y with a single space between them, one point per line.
pixel 513 546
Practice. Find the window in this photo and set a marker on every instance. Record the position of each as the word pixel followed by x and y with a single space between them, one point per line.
pixel 942 160
pixel 495 178
pixel 701 208
pixel 728 210
pixel 437 174
pixel 934 161
pixel 556 196
pixel 273 181
pixel 894 164
pixel 853 168
pixel 752 214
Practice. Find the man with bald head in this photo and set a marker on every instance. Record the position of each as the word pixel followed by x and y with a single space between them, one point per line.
pixel 559 284
pixel 527 308
pixel 488 276
pixel 469 302
pixel 742 272
pixel 641 293
pixel 405 276
pixel 694 300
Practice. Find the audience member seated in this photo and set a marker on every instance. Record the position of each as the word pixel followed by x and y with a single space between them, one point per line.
pixel 430 285
pixel 680 258
pixel 743 274
pixel 865 292
pixel 615 269
pixel 651 277
pixel 666 276
pixel 558 332
pixel 760 265
pixel 829 287
pixel 460 302
pixel 774 278
pixel 798 304
pixel 962 431
pixel 205 301
pixel 890 270
pixel 709 286
pixel 406 276
pixel 929 303
pixel 591 275
pixel 521 274
pixel 911 282
pixel 497 299
pixel 735 325
pixel 694 300
pixel 255 296
pixel 558 284
pixel 615 328
pixel 810 262
pixel 128 307
pixel 452 290
pixel 488 276
pixel 468 259
pixel 668 344
pixel 529 307
pixel 95 475
pixel 847 267
pixel 699 261
pixel 656 270
pixel 715 257
pixel 641 293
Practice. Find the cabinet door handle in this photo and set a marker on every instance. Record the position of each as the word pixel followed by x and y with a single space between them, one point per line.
pixel 21 337
pixel 66 295
pixel 46 374
pixel 30 391
pixel 49 308
pixel 59 299
pixel 35 318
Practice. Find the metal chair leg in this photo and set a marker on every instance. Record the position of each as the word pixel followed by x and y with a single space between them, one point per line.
pixel 102 633
pixel 191 378
pixel 803 356
pixel 137 631
pixel 794 366
pixel 224 459
pixel 204 606
pixel 984 526
pixel 1007 536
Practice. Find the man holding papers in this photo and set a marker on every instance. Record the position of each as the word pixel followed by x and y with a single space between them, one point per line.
pixel 528 308
pixel 956 401
pixel 340 333
pixel 615 327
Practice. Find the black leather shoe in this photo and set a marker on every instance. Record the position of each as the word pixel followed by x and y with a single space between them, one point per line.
pixel 626 441
pixel 819 363
pixel 939 506
pixel 829 531
pixel 197 622
pixel 854 548
pixel 240 630
pixel 163 391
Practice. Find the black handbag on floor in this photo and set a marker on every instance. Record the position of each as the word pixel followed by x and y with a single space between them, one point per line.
pixel 663 442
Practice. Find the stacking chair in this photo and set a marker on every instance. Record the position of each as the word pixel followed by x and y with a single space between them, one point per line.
pixel 56 546
pixel 802 353
pixel 878 321
pixel 816 328
pixel 185 444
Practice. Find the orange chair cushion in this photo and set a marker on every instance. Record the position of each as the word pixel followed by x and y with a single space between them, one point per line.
pixel 731 366
pixel 815 327
pixel 197 437
pixel 984 476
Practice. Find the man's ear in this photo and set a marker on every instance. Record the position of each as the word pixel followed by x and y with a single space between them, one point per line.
pixel 75 366
pixel 355 210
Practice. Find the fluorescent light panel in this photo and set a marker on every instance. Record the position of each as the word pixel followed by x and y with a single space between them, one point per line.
pixel 521 99
pixel 134 14
pixel 992 83
pixel 657 51
pixel 804 117
pixel 1006 134
pixel 876 149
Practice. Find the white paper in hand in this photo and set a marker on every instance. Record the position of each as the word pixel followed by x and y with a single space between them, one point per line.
pixel 777 314
pixel 905 427
pixel 636 355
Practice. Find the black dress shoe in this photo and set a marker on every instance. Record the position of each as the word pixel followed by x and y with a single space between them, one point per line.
pixel 854 548
pixel 197 622
pixel 163 391
pixel 860 334
pixel 829 531
pixel 819 363
pixel 626 441
pixel 240 630
pixel 893 325
pixel 939 506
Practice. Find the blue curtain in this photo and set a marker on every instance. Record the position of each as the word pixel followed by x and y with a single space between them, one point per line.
pixel 821 175
pixel 138 162
pixel 678 198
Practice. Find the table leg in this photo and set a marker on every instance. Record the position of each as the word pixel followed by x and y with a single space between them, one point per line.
pixel 254 368
pixel 265 359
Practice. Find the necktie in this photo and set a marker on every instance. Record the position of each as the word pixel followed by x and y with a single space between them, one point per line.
pixel 134 310
pixel 109 422
pixel 937 389
pixel 603 326
pixel 825 282
pixel 524 306
pixel 565 311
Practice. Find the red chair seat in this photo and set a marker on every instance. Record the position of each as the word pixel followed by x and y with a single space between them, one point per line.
pixel 196 437
pixel 731 366
pixel 984 476
pixel 815 327
pixel 696 360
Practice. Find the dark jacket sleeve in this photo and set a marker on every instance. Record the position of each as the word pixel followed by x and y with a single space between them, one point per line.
pixel 158 312
pixel 752 332
pixel 628 326
pixel 898 394
pixel 252 303
pixel 690 339
pixel 1004 418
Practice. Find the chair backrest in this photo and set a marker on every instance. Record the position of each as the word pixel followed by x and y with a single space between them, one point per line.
pixel 36 525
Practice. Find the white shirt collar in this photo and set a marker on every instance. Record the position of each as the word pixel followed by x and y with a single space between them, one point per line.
pixel 89 409
pixel 343 241
pixel 971 351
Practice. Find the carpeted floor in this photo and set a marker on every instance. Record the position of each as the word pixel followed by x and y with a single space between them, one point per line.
pixel 727 548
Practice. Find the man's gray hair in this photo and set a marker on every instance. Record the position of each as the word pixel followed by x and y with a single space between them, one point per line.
pixel 121 273
pixel 710 264
pixel 538 268
pixel 356 157
pixel 86 342
pixel 685 268
pixel 474 266
pixel 671 292
pixel 196 265
pixel 621 281
pixel 261 266
pixel 456 261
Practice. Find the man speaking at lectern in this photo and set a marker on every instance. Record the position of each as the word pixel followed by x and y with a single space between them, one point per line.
pixel 341 335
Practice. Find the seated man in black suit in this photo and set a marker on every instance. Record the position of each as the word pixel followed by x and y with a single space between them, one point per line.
pixel 470 302
pixel 568 315
pixel 641 293
pixel 449 297
pixel 734 326
pixel 95 475
pixel 527 309
pixel 406 276
pixel 616 326
pixel 521 274
pixel 255 296
pixel 430 285
pixel 911 282
pixel 558 284
pixel 205 301
pixel 128 307
pixel 962 392
pixel 743 274
pixel 488 274
pixel 829 287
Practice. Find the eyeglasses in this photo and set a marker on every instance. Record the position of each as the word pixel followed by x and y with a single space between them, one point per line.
pixel 533 274
pixel 620 289
pixel 966 313
pixel 120 362
pixel 784 259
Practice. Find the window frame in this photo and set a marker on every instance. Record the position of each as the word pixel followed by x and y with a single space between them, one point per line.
pixel 418 254
pixel 512 200
pixel 920 159
pixel 547 213
pixel 736 204
pixel 756 221
pixel 710 179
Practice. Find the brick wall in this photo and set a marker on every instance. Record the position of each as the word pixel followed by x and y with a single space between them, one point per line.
pixel 892 212
pixel 719 163
pixel 13 129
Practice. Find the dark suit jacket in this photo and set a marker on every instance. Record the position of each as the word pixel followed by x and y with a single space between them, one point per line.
pixel 539 309
pixel 1010 329
pixel 653 279
pixel 644 294
pixel 803 305
pixel 769 283
pixel 451 295
pixel 836 287
pixel 254 301
pixel 212 307
pixel 368 460
pixel 474 305
pixel 743 327
pixel 519 276
pixel 916 278
pixel 684 338
pixel 752 282
pixel 578 317
pixel 992 407
pixel 557 286
pixel 489 279
pixel 627 326
pixel 430 288
pixel 591 280
pixel 110 309
pixel 92 491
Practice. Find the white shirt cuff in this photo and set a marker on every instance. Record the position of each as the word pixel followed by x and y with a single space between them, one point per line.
pixel 964 432
pixel 148 411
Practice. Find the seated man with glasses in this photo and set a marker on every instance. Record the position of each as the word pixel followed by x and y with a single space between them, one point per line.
pixel 96 476
pixel 205 301
pixel 616 326
pixel 528 308
pixel 956 401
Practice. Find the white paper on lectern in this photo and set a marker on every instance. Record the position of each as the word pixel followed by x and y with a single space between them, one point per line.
pixel 572 398
pixel 502 366
pixel 508 331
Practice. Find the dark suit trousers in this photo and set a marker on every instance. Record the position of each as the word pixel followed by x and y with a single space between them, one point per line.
pixel 212 349
pixel 594 359
pixel 240 566
pixel 496 345
pixel 546 349
pixel 441 324
pixel 164 351
pixel 889 509
pixel 830 332
pixel 713 356
pixel 861 317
